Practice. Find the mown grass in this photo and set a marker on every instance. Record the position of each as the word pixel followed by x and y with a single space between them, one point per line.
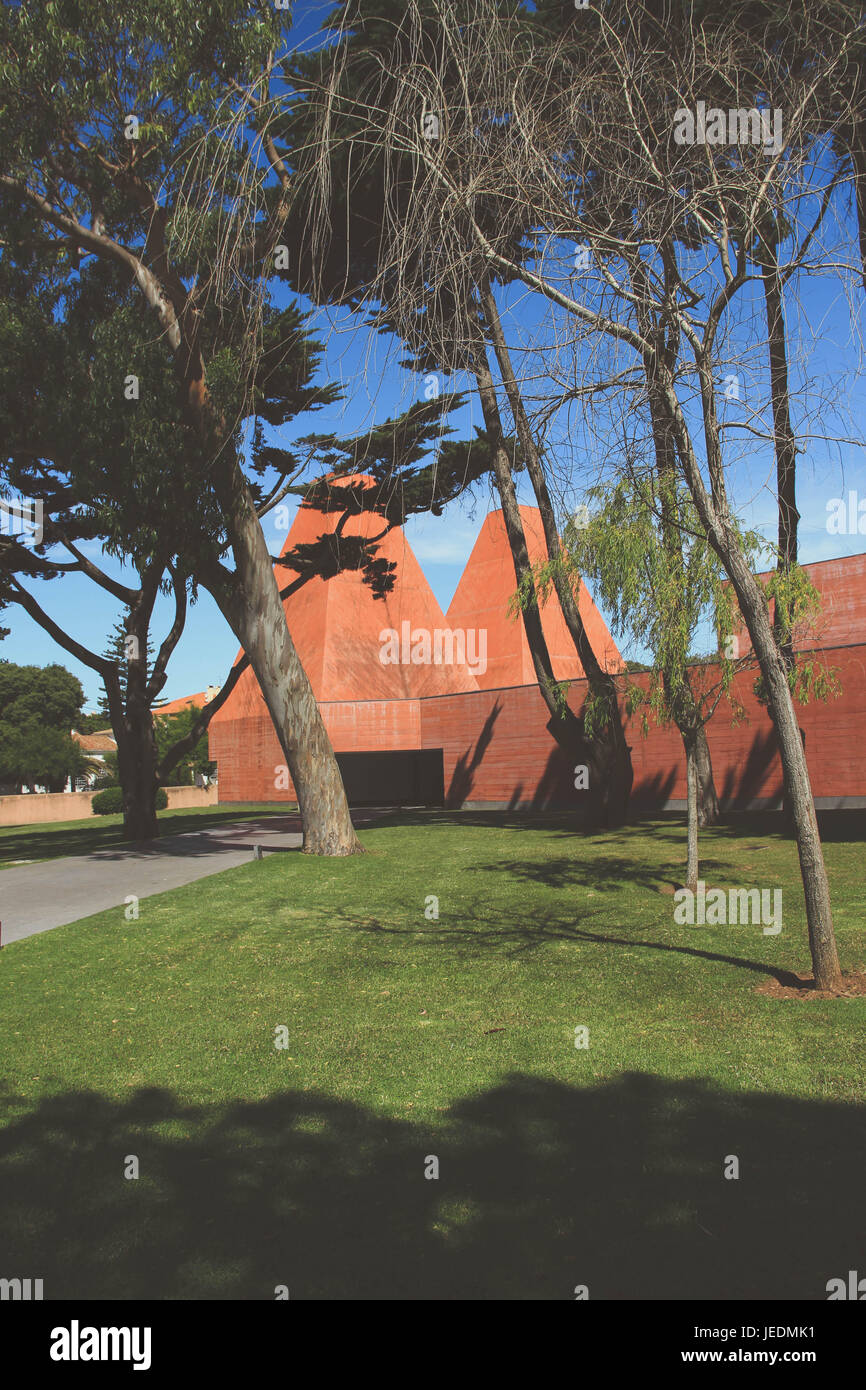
pixel 410 1036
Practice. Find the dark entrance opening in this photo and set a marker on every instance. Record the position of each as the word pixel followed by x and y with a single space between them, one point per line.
pixel 411 777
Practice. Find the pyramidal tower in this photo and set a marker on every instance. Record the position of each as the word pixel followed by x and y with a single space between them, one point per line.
pixel 482 599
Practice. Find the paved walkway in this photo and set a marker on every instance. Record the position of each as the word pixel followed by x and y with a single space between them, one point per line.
pixel 37 897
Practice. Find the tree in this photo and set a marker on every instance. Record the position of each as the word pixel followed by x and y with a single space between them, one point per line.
pixel 169 730
pixel 657 595
pixel 588 143
pixel 39 706
pixel 109 141
pixel 104 471
pixel 661 172
pixel 358 235
pixel 101 471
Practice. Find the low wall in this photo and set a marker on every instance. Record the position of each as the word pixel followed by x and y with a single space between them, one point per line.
pixel 36 808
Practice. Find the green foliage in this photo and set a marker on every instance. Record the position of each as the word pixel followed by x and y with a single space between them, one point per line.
pixel 652 567
pixel 110 801
pixel 799 604
pixel 39 706
pixel 49 694
pixel 169 729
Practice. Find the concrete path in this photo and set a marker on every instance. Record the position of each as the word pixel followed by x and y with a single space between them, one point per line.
pixel 37 897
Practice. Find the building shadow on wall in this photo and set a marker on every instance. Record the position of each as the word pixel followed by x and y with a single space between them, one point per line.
pixel 652 792
pixel 542 1187
pixel 555 789
pixel 745 782
pixel 463 776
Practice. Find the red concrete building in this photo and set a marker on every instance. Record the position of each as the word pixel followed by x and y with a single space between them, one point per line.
pixel 424 708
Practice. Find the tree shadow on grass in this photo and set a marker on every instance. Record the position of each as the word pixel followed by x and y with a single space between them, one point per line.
pixel 542 1186
pixel 476 932
pixel 668 826
pixel 603 873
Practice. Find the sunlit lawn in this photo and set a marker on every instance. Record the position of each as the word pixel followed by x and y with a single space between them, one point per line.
pixel 411 1036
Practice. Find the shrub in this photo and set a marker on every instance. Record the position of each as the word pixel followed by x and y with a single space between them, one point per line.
pixel 110 801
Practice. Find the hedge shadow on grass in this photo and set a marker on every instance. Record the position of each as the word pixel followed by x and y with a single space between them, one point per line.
pixel 542 1187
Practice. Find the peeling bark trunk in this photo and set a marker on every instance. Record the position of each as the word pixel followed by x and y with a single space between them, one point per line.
pixel 255 612
pixel 613 751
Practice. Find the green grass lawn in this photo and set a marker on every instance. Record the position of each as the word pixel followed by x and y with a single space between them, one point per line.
pixel 410 1038
pixel 29 843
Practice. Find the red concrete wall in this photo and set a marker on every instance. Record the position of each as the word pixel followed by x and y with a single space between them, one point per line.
pixel 492 727
pixel 497 751
pixel 249 756
pixel 842 617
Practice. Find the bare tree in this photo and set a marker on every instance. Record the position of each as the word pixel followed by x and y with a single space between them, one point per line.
pixel 586 136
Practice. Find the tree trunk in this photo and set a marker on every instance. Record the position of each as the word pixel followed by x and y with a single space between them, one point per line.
pixel 136 765
pixel 715 518
pixel 619 773
pixel 564 725
pixel 857 147
pixel 689 741
pixel 783 435
pixel 798 790
pixel 687 716
pixel 684 707
pixel 255 612
pixel 250 598
pixel 708 801
pixel 785 446
pixel 134 731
